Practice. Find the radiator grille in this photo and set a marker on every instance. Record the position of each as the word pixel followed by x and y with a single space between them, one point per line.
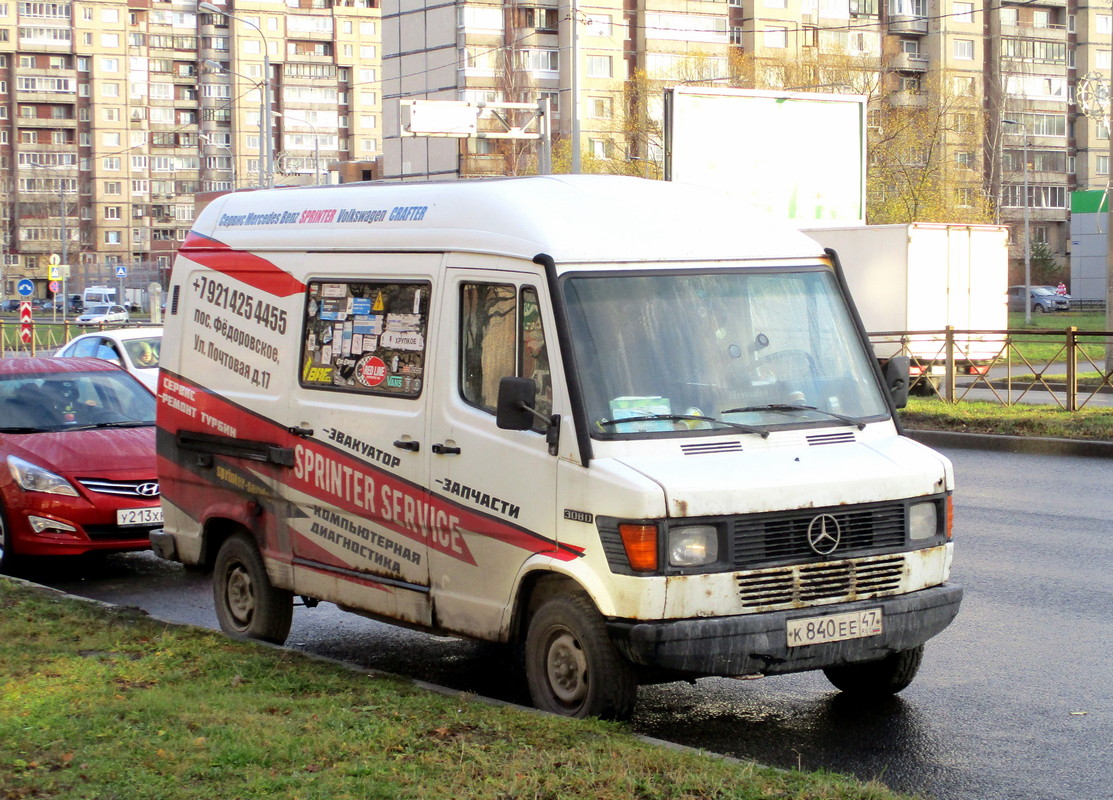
pixel 822 583
pixel 140 489
pixel 771 538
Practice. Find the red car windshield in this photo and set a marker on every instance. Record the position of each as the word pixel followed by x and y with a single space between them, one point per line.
pixel 61 401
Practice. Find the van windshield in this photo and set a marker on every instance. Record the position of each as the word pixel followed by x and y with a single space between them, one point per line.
pixel 746 350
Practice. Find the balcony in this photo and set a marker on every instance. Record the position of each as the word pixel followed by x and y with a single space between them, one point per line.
pixel 908 25
pixel 909 62
pixel 907 98
pixel 44 122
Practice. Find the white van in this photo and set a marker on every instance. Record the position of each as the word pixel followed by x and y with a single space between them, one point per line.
pixel 609 419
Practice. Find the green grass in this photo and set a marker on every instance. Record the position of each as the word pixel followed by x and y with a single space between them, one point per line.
pixel 1017 420
pixel 109 704
pixel 1042 348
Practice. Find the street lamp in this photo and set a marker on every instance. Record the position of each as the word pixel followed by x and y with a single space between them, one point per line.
pixel 267 146
pixel 265 172
pixel 316 145
pixel 1027 224
pixel 64 235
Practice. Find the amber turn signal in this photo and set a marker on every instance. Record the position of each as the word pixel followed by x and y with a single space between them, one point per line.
pixel 640 542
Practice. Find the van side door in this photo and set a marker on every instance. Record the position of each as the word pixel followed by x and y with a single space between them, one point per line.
pixel 498 485
pixel 360 514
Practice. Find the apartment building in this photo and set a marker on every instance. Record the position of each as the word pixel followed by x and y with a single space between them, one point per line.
pixel 982 63
pixel 115 113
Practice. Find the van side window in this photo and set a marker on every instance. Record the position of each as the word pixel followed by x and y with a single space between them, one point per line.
pixel 365 336
pixel 501 335
pixel 534 354
pixel 488 332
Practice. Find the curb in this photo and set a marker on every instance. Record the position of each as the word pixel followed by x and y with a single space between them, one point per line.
pixel 1013 444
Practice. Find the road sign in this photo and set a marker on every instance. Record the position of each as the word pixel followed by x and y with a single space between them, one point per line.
pixel 54 259
pixel 54 272
pixel 25 331
pixel 55 286
pixel 121 271
pixel 25 287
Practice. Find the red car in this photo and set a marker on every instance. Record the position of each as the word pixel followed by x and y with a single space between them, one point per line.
pixel 77 459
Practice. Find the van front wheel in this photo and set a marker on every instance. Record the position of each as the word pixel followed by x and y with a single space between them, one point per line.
pixel 247 604
pixel 572 667
pixel 881 678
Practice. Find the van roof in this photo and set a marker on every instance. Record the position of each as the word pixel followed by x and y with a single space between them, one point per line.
pixel 572 218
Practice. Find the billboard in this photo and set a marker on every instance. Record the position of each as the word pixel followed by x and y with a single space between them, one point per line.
pixel 797 156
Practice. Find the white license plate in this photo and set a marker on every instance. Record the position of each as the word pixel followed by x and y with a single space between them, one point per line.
pixel 138 516
pixel 834 628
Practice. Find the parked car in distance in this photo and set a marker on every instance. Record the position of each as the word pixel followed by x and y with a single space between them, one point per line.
pixel 135 349
pixel 1042 299
pixel 1055 291
pixel 77 459
pixel 9 305
pixel 102 314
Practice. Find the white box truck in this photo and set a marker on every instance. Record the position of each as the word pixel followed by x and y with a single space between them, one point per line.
pixel 923 277
pixel 604 418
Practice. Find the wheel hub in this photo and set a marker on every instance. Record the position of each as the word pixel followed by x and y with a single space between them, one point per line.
pixel 241 594
pixel 567 669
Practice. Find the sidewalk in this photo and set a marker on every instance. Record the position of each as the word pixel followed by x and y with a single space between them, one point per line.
pixel 1014 444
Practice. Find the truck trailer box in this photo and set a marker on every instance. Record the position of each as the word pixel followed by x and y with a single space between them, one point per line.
pixel 597 416
pixel 926 277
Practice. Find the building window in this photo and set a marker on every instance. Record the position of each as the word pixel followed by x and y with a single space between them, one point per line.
pixel 963 12
pixel 602 107
pixel 776 37
pixel 964 49
pixel 599 67
pixel 112 237
pixel 1101 166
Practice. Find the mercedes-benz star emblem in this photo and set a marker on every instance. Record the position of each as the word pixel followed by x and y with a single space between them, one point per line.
pixel 824 534
pixel 149 489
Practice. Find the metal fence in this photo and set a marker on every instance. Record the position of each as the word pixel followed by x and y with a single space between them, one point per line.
pixel 43 338
pixel 1064 368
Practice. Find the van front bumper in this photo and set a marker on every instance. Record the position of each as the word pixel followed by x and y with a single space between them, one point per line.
pixel 757 643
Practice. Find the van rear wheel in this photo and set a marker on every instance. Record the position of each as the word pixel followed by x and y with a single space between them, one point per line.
pixel 882 678
pixel 248 606
pixel 572 667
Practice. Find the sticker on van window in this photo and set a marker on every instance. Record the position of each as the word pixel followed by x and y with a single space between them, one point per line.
pixel 365 337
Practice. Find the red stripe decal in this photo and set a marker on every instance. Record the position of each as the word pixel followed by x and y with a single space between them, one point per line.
pixel 251 269
pixel 345 483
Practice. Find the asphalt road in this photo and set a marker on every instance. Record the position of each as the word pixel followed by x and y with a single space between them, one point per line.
pixel 1014 701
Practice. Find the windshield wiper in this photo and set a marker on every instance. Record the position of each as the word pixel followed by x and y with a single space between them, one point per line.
pixel 764 434
pixel 21 430
pixel 789 408
pixel 130 423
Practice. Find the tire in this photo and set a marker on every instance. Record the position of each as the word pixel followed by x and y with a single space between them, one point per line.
pixel 878 679
pixel 572 667
pixel 1038 309
pixel 247 605
pixel 7 553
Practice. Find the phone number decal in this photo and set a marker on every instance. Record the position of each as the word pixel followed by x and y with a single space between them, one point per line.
pixel 241 304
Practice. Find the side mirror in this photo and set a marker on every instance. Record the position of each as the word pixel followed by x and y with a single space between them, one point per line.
pixel 517 397
pixel 897 379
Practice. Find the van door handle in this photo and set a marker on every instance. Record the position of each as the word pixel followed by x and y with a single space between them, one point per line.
pixel 407 444
pixel 442 450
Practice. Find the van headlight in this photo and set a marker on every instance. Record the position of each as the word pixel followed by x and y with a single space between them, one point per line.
pixel 33 478
pixel 693 546
pixel 923 521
